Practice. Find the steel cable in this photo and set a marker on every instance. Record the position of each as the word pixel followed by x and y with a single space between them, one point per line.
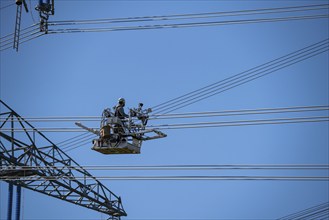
pixel 193 16
pixel 72 138
pixel 30 37
pixel 238 178
pixel 291 9
pixel 241 83
pixel 220 82
pixel 279 110
pixel 183 25
pixel 81 143
pixel 242 123
pixel 240 112
pixel 22 30
pixel 241 78
pixel 192 125
pixel 314 212
pixel 179 167
pixel 189 125
pixel 28 33
pixel 83 139
pixel 6 6
pixel 22 36
pixel 72 142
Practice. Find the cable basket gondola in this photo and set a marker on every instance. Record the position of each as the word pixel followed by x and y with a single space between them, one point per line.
pixel 123 135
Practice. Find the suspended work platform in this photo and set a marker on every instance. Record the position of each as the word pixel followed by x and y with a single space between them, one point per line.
pixel 123 135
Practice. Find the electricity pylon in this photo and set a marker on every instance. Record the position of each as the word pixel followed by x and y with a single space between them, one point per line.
pixel 30 160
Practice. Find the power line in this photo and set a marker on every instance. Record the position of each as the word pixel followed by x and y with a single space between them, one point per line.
pixel 24 39
pixel 25 35
pixel 315 212
pixel 70 143
pixel 242 78
pixel 190 125
pixel 209 15
pixel 278 110
pixel 194 16
pixel 236 82
pixel 239 178
pixel 22 31
pixel 61 119
pixel 240 75
pixel 241 112
pixel 81 143
pixel 181 167
pixel 184 25
pixel 3 7
pixel 70 139
pixel 78 146
pixel 241 123
pixel 83 139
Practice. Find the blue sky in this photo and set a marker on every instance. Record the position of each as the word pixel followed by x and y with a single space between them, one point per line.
pixel 81 74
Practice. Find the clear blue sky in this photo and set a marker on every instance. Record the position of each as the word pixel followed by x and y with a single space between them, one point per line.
pixel 81 74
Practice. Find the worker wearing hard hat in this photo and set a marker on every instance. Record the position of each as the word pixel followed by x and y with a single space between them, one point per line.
pixel 119 110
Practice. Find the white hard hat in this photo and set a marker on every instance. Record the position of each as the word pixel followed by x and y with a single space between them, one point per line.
pixel 121 100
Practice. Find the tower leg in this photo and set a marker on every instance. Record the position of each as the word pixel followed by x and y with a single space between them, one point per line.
pixel 10 201
pixel 18 202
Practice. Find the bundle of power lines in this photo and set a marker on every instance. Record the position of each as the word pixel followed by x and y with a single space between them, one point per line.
pixel 323 110
pixel 319 114
pixel 242 78
pixel 250 16
pixel 319 212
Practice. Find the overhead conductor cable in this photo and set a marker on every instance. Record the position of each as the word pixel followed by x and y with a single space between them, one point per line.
pixel 242 78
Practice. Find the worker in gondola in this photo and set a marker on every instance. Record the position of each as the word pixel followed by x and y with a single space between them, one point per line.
pixel 120 113
pixel 119 109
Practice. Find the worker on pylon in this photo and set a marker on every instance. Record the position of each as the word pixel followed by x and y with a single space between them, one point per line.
pixel 119 110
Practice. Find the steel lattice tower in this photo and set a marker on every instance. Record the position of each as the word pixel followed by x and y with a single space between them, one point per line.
pixel 20 154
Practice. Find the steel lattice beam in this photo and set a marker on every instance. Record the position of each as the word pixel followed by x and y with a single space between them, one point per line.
pixel 23 150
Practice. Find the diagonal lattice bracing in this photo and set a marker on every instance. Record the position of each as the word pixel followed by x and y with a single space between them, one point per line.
pixel 31 148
